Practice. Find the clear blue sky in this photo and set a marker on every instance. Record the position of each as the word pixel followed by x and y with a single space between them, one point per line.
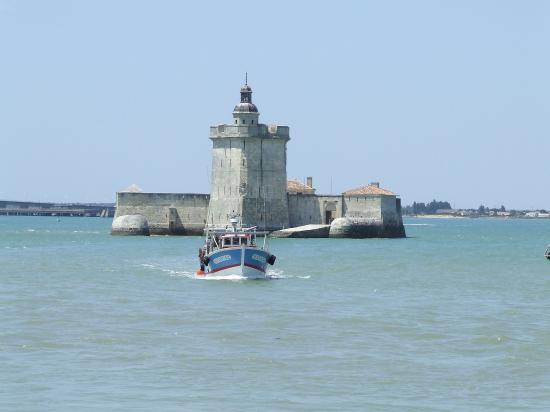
pixel 434 99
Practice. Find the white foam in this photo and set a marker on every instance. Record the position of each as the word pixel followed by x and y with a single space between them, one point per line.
pixel 170 271
pixel 188 275
pixel 270 275
pixel 221 277
pixel 276 277
pixel 279 274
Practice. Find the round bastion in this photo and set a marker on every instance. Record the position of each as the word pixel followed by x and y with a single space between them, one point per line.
pixel 359 228
pixel 130 225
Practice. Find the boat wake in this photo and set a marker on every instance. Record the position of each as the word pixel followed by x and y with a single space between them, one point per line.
pixel 270 275
pixel 170 272
pixel 279 274
pixel 223 277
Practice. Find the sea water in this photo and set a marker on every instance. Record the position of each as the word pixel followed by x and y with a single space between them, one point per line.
pixel 455 317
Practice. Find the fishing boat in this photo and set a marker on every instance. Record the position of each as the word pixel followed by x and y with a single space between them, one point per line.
pixel 547 253
pixel 233 250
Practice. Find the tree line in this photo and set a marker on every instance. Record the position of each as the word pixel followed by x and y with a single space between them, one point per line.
pixel 430 208
pixel 421 208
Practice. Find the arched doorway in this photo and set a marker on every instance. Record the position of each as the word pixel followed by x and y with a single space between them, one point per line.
pixel 330 212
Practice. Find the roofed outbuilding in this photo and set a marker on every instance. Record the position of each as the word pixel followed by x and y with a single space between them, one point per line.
pixel 371 189
pixel 295 186
pixel 133 188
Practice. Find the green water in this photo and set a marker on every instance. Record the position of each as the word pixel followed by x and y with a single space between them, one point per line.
pixel 455 317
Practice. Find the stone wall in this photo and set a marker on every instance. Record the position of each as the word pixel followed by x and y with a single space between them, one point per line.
pixel 227 162
pixel 391 211
pixel 265 202
pixel 166 213
pixel 331 204
pixel 186 213
pixel 305 209
pixel 249 175
pixel 367 206
pixel 369 216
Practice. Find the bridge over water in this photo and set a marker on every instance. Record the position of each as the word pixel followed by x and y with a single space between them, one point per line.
pixel 19 208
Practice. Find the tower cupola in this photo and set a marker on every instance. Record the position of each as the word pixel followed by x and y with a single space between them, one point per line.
pixel 246 105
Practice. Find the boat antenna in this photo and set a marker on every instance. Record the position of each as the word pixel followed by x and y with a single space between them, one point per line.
pixel 264 208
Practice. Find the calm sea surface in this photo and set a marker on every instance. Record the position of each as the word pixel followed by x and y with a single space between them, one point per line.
pixel 455 317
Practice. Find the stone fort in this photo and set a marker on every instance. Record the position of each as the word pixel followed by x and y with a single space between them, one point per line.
pixel 249 178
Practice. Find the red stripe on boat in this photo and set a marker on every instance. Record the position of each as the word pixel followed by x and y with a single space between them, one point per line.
pixel 254 267
pixel 225 267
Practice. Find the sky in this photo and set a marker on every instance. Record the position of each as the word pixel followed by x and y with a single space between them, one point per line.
pixel 446 100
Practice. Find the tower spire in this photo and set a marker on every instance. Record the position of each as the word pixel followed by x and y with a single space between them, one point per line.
pixel 246 98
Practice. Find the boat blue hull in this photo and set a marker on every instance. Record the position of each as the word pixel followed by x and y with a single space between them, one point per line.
pixel 231 261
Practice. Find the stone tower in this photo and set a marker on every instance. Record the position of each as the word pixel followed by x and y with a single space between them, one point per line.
pixel 249 169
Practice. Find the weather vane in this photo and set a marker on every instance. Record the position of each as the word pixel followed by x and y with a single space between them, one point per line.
pixel 246 78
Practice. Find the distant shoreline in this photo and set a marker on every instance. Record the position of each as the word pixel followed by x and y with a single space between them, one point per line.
pixel 436 216
pixel 473 217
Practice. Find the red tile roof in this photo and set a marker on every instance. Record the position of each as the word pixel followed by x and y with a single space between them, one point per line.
pixel 372 189
pixel 295 186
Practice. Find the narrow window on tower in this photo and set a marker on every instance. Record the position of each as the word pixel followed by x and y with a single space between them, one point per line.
pixel 244 121
pixel 252 121
pixel 236 121
pixel 243 162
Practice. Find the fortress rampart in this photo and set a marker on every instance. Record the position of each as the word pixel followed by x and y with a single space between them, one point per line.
pixel 186 213
pixel 165 213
